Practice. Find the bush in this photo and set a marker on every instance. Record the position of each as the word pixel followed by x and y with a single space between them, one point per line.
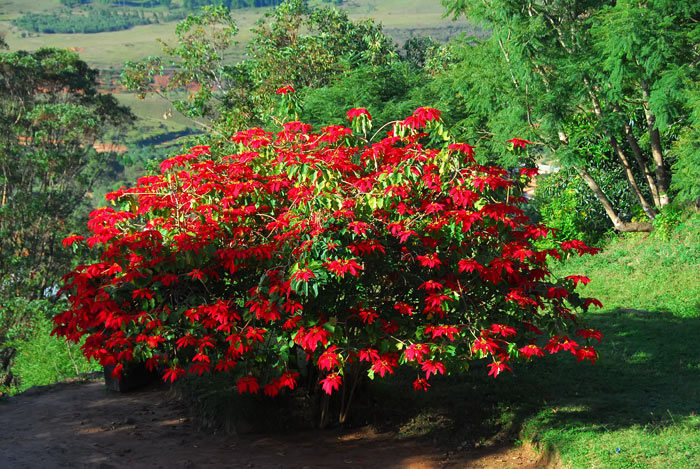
pixel 41 359
pixel 667 220
pixel 565 203
pixel 324 255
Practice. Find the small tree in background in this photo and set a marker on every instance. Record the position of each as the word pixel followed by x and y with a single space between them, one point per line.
pixel 292 45
pixel 50 116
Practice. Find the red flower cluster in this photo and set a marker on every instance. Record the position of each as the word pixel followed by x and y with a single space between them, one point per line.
pixel 372 255
pixel 519 143
pixel 357 112
pixel 285 90
pixel 420 117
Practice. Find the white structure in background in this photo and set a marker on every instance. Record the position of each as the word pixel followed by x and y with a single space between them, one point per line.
pixel 529 191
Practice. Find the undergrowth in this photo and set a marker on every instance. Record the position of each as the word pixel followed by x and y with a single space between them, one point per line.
pixel 41 359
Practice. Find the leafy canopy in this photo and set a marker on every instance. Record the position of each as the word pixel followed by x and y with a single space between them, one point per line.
pixel 50 116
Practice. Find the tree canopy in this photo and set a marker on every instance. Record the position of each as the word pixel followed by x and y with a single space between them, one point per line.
pixel 51 114
pixel 589 81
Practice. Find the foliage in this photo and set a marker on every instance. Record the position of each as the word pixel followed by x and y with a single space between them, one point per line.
pixel 418 50
pixel 560 201
pixel 565 204
pixel 386 91
pixel 72 3
pixel 122 14
pixel 666 222
pixel 50 116
pixel 230 4
pixel 283 55
pixel 639 397
pixel 190 5
pixel 293 45
pixel 301 249
pixel 687 151
pixel 553 64
pixel 41 359
pixel 97 20
pixel 134 3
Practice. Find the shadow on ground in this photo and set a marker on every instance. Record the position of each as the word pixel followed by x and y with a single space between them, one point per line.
pixel 648 374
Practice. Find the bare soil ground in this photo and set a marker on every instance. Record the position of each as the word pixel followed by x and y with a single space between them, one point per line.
pixel 83 425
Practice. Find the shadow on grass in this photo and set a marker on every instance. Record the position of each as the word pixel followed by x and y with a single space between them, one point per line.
pixel 648 374
pixel 649 371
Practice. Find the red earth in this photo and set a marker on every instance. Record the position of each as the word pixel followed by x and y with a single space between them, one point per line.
pixel 84 425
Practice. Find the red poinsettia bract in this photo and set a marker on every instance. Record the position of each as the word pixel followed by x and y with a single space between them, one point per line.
pixel 363 255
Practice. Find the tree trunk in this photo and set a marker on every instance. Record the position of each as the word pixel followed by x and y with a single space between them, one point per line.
pixel 639 157
pixel 356 374
pixel 648 209
pixel 6 356
pixel 325 411
pixel 662 176
pixel 618 223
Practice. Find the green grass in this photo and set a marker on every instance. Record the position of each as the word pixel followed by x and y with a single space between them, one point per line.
pixel 10 9
pixel 105 51
pixel 41 359
pixel 648 272
pixel 639 405
pixel 155 115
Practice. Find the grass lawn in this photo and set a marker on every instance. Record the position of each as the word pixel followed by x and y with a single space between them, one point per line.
pixel 639 406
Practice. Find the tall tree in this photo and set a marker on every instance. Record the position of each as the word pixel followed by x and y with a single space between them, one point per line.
pixel 612 70
pixel 51 114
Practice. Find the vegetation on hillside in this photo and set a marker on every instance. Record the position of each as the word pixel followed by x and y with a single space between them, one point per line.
pixel 120 15
pixel 94 21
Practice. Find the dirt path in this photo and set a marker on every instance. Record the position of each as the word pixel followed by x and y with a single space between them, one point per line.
pixel 83 425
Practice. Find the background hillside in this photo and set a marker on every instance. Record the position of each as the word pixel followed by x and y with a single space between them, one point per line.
pixel 108 51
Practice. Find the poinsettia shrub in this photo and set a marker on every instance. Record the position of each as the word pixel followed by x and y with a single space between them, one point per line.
pixel 320 250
